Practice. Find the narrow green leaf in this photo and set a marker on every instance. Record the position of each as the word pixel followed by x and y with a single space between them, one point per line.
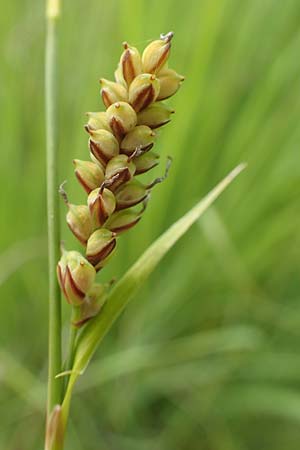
pixel 94 332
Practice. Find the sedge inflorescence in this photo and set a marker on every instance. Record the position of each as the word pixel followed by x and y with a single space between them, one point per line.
pixel 120 142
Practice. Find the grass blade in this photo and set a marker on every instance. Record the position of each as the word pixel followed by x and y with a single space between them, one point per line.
pixel 94 332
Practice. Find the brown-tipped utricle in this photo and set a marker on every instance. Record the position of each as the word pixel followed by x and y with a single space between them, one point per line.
pixel 121 118
pixel 155 116
pixel 145 162
pixel 89 174
pixel 72 291
pixel 79 221
pixel 76 276
pixel 170 81
pixel 100 246
pixel 112 92
pixel 156 54
pixel 130 63
pixel 143 91
pixel 101 203
pixel 103 146
pixel 97 121
pixel 119 170
pixel 122 221
pixel 141 137
pixel 130 194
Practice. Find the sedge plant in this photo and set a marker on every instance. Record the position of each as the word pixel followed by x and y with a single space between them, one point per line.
pixel 120 143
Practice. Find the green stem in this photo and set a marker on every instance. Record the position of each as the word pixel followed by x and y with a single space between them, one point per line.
pixel 71 347
pixel 54 385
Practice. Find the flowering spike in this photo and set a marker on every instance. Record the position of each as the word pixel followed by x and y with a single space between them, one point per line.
pixel 120 142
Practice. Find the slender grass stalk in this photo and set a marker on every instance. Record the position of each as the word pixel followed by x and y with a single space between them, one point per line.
pixel 71 349
pixel 54 385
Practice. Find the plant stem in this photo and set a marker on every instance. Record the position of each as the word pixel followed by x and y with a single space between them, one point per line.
pixel 71 348
pixel 54 385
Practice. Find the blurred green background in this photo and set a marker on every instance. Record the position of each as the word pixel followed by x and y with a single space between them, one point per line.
pixel 207 356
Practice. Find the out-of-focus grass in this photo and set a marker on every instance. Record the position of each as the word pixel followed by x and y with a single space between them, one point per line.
pixel 207 357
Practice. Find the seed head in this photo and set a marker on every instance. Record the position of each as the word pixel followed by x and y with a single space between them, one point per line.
pixel 120 143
